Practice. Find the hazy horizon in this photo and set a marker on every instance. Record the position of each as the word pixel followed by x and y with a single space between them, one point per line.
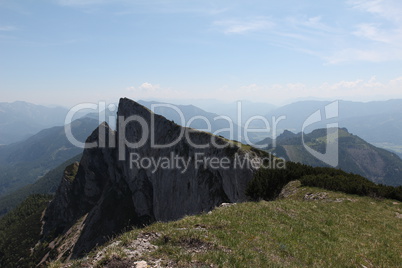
pixel 204 104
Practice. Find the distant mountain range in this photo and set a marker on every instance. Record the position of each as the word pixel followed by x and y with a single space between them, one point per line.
pixel 355 155
pixel 45 185
pixel 24 162
pixel 248 108
pixel 378 122
pixel 20 120
pixel 192 112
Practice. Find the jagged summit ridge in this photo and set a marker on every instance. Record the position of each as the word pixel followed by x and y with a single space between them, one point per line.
pixel 165 177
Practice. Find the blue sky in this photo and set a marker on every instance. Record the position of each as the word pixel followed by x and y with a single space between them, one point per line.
pixel 70 51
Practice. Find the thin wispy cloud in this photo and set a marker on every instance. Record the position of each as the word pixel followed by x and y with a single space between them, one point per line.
pixel 81 2
pixel 387 9
pixel 129 7
pixel 377 37
pixel 241 26
pixel 310 34
pixel 312 25
pixel 145 88
pixel 306 34
pixel 148 90
pixel 374 55
pixel 160 9
pixel 383 38
pixel 372 32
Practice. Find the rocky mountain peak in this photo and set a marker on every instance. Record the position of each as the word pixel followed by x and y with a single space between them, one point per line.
pixel 150 169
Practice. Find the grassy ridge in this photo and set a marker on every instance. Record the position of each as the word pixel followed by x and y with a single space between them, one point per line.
pixel 338 230
pixel 267 183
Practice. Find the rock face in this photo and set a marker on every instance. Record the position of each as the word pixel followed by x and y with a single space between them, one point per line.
pixel 119 184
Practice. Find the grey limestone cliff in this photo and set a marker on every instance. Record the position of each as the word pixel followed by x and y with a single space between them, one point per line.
pixel 117 185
